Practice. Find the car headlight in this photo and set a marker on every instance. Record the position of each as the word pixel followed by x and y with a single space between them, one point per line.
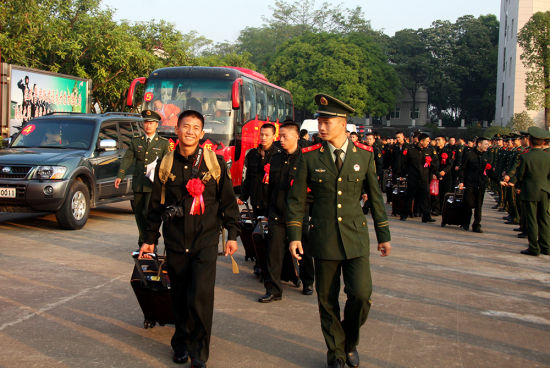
pixel 50 172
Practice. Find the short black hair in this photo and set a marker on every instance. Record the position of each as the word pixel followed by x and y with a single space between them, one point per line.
pixel 303 133
pixel 354 133
pixel 399 132
pixel 369 133
pixel 441 136
pixel 290 125
pixel 422 136
pixel 192 113
pixel 269 125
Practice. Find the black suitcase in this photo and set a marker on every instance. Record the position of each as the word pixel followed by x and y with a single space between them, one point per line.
pixel 259 238
pixel 454 209
pixel 247 227
pixel 399 198
pixel 151 285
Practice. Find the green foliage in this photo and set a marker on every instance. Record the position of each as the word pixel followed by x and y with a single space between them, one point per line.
pixel 520 121
pixel 534 39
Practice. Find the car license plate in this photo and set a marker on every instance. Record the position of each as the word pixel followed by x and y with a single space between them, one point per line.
pixel 8 193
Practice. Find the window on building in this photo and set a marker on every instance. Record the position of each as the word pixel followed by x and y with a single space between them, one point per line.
pixel 415 114
pixel 502 96
pixel 510 67
pixel 504 61
pixel 395 114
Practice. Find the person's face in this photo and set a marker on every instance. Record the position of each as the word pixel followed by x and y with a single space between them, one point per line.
pixel 500 143
pixel 288 138
pixel 266 137
pixel 306 137
pixel 189 131
pixel 400 138
pixel 354 138
pixel 331 127
pixel 440 142
pixel 517 142
pixel 369 140
pixel 452 141
pixel 150 127
pixel 424 142
pixel 483 146
pixel 470 144
pixel 158 104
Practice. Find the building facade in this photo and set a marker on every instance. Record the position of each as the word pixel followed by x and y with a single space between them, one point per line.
pixel 511 72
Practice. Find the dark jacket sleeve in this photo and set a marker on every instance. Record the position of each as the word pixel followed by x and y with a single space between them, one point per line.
pixel 127 161
pixel 245 185
pixel 378 212
pixel 228 206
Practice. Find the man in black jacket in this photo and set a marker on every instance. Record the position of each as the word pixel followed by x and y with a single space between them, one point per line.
pixel 202 200
pixel 473 175
pixel 420 165
pixel 256 179
pixel 282 172
pixel 446 165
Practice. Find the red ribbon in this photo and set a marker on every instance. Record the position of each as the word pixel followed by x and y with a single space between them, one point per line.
pixel 195 187
pixel 428 161
pixel 454 153
pixel 405 152
pixel 487 167
pixel 265 180
pixel 444 158
pixel 292 183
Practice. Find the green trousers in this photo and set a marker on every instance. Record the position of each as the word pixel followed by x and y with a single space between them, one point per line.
pixel 342 336
pixel 537 217
pixel 141 206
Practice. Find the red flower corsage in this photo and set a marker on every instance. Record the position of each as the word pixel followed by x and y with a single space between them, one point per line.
pixel 487 167
pixel 265 180
pixel 405 152
pixel 427 161
pixel 444 157
pixel 195 187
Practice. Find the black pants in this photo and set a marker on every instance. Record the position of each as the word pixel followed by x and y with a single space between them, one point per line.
pixel 192 279
pixel 473 197
pixel 141 206
pixel 276 249
pixel 419 192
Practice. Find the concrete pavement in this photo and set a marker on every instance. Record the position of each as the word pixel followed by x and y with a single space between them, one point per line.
pixel 444 298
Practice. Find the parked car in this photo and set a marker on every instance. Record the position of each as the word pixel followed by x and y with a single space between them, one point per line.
pixel 67 163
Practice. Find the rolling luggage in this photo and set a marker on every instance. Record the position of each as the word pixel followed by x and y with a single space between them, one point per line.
pixel 399 198
pixel 151 285
pixel 454 211
pixel 247 227
pixel 259 238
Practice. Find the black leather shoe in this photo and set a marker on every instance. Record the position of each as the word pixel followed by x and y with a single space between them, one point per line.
pixel 522 235
pixel 402 218
pixel 511 223
pixel 352 359
pixel 528 252
pixel 180 359
pixel 196 363
pixel 518 229
pixel 268 298
pixel 308 290
pixel 477 230
pixel 428 220
pixel 545 252
pixel 338 363
pixel 464 227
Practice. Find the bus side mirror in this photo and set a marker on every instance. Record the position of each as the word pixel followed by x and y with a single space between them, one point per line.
pixel 235 94
pixel 132 90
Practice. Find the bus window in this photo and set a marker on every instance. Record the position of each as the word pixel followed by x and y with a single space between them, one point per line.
pixel 249 102
pixel 261 101
pixel 288 107
pixel 271 104
pixel 281 106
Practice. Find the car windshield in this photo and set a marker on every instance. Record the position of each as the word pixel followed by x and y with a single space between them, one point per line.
pixel 51 133
pixel 211 97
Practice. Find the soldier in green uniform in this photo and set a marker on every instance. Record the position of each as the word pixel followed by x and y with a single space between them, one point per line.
pixel 532 181
pixel 339 173
pixel 143 152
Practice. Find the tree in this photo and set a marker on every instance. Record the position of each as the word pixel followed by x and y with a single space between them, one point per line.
pixel 521 121
pixel 534 39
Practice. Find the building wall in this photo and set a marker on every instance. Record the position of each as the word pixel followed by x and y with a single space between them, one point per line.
pixel 401 115
pixel 511 73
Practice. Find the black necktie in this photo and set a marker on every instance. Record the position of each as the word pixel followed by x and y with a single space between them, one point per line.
pixel 338 160
pixel 148 141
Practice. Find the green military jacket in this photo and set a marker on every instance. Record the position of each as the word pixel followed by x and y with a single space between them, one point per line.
pixel 533 175
pixel 140 155
pixel 338 226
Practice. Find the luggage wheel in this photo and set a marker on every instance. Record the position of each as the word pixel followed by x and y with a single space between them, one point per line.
pixel 149 324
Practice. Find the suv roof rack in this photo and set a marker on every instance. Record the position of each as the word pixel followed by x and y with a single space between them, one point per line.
pixel 132 114
pixel 64 112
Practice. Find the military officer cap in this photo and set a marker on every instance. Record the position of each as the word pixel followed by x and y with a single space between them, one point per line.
pixel 537 133
pixel 482 138
pixel 331 107
pixel 149 115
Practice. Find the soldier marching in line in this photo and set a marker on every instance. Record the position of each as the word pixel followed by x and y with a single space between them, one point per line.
pixel 142 154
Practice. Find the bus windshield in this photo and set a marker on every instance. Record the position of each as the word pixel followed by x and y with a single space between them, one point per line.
pixel 211 97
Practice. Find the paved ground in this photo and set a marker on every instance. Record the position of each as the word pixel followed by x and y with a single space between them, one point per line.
pixel 445 298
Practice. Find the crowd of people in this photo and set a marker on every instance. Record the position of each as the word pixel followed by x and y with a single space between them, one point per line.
pixel 308 197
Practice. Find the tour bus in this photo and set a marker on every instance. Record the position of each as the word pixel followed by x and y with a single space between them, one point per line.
pixel 235 103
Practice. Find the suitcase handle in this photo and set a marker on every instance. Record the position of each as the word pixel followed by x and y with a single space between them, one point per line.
pixel 140 270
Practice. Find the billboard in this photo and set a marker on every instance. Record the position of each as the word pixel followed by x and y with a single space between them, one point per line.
pixel 35 93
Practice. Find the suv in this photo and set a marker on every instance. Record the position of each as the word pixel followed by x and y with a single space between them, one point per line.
pixel 67 163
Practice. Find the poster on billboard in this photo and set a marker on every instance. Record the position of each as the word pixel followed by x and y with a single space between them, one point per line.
pixel 34 93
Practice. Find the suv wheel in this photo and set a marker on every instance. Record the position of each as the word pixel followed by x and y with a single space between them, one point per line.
pixel 74 212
